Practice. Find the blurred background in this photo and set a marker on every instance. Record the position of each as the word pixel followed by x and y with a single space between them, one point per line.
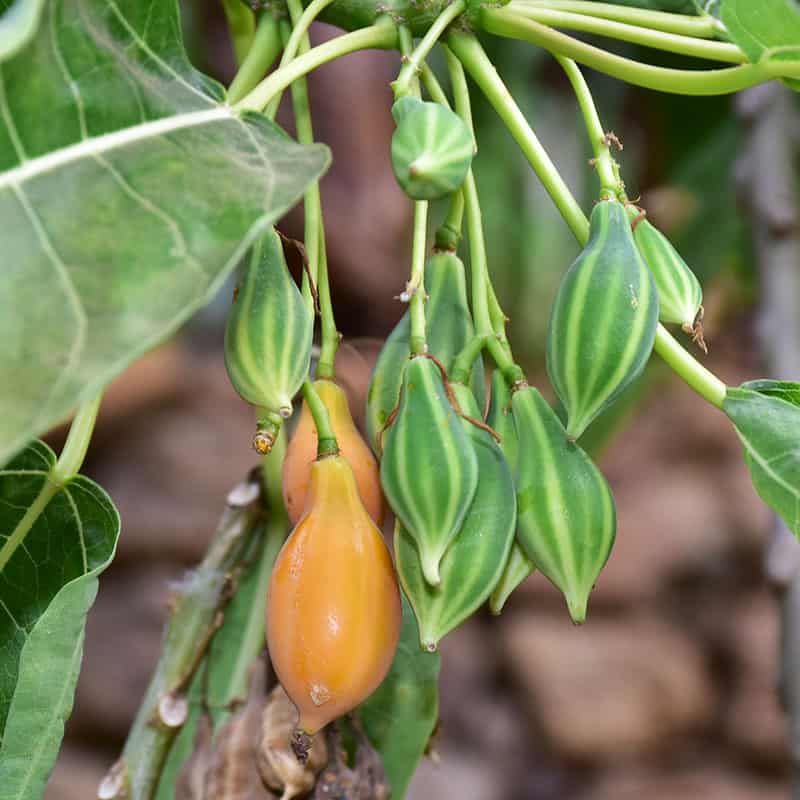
pixel 669 689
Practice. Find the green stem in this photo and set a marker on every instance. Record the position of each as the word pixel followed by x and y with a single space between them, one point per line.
pixel 416 285
pixel 78 438
pixel 657 40
pixel 448 234
pixel 327 444
pixel 241 24
pixel 703 381
pixel 382 35
pixel 272 475
pixel 313 233
pixel 673 81
pixel 300 27
pixel 432 86
pixel 462 363
pixel 483 72
pixel 477 256
pixel 702 27
pixel 497 319
pixel 607 171
pixel 295 40
pixel 262 53
pixel 330 336
pixel 413 61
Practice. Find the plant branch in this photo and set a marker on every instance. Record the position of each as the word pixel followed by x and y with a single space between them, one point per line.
pixel 675 81
pixel 701 27
pixel 197 612
pixel 262 53
pixel 78 438
pixel 469 51
pixel 330 335
pixel 413 61
pixel 625 32
pixel 382 35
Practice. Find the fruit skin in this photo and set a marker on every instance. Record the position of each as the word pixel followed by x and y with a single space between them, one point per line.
pixel 450 328
pixel 474 561
pixel 432 149
pixel 680 295
pixel 604 320
pixel 269 332
pixel 302 452
pixel 333 611
pixel 518 566
pixel 429 471
pixel 566 519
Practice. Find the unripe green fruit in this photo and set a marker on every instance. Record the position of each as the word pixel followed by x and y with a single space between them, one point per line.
pixel 269 332
pixel 429 470
pixel 566 520
pixel 680 296
pixel 450 328
pixel 604 320
pixel 432 149
pixel 518 565
pixel 474 561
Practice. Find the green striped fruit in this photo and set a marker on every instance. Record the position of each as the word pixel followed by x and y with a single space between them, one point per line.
pixel 473 563
pixel 566 518
pixel 680 297
pixel 269 332
pixel 517 568
pixel 518 565
pixel 604 320
pixel 432 149
pixel 450 328
pixel 429 470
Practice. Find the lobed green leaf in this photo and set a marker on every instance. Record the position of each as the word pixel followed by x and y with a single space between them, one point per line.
pixel 128 191
pixel 768 423
pixel 47 584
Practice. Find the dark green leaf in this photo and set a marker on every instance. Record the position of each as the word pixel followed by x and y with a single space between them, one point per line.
pixel 129 193
pixel 47 584
pixel 400 716
pixel 769 428
pixel 785 390
pixel 766 30
pixel 19 20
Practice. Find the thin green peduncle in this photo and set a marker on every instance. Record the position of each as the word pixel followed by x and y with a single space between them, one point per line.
pixel 470 53
pixel 700 27
pixel 675 81
pixel 241 24
pixel 263 51
pixel 300 28
pixel 413 61
pixel 415 290
pixel 607 170
pixel 326 366
pixel 326 438
pixel 382 36
pixel 635 34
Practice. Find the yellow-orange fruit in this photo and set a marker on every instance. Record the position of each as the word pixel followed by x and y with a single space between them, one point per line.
pixel 333 613
pixel 302 452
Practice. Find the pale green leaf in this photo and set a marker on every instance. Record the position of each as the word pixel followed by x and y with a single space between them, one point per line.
pixel 129 192
pixel 47 584
pixel 769 429
pixel 18 22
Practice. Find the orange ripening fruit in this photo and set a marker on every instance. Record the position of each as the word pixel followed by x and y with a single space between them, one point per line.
pixel 302 452
pixel 334 613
